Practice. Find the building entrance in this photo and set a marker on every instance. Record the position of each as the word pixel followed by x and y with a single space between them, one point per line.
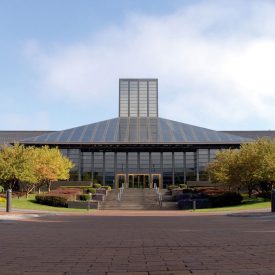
pixel 138 180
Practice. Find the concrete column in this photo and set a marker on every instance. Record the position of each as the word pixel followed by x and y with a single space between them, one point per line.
pixel 161 168
pixel 115 170
pixel 127 180
pixel 184 166
pixel 92 167
pixel 197 165
pixel 79 164
pixel 150 171
pixel 103 168
pixel 173 168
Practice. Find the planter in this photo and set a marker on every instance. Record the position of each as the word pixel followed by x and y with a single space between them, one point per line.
pixel 101 191
pixel 98 197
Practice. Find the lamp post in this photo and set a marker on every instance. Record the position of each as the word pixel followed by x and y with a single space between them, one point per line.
pixel 8 202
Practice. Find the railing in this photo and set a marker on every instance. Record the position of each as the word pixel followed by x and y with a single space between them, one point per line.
pixel 120 192
pixel 158 195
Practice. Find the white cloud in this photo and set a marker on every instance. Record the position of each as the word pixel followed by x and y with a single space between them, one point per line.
pixel 215 63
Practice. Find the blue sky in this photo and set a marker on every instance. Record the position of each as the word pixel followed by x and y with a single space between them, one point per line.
pixel 60 61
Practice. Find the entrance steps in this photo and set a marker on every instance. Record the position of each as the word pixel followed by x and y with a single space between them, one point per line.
pixel 132 199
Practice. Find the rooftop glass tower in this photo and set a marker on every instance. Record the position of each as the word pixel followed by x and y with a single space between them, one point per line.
pixel 138 97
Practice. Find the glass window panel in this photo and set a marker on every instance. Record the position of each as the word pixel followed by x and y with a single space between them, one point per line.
pixel 98 161
pixel 121 162
pixel 156 162
pixel 132 162
pixel 203 162
pixel 190 166
pixel 109 161
pixel 167 179
pixel 167 161
pixel 144 162
pixel 110 179
pixel 86 174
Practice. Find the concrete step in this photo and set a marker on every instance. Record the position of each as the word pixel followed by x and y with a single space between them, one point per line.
pixel 132 199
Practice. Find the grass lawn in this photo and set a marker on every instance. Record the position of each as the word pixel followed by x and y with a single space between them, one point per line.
pixel 247 204
pixel 30 203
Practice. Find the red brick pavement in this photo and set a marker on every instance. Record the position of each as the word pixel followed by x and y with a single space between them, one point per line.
pixel 137 245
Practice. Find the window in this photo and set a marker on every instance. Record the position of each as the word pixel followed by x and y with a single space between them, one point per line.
pixel 86 174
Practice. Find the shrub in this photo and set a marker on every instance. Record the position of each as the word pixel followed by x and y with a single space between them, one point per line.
pixel 2 199
pixel 91 190
pixel 171 187
pixel 53 200
pixel 107 187
pixel 84 197
pixel 210 191
pixel 69 191
pixel 183 186
pixel 226 199
pixel 73 187
pixel 96 185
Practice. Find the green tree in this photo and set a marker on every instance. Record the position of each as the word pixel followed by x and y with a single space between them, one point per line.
pixel 16 165
pixel 251 167
pixel 222 169
pixel 51 166
pixel 32 167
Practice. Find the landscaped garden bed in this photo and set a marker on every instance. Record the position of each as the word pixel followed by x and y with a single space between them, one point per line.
pixel 75 196
pixel 204 197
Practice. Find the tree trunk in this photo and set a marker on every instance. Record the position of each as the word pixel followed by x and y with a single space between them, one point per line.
pixel 49 187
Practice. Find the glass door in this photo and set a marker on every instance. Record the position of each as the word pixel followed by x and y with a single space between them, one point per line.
pixel 120 180
pixel 139 181
pixel 156 180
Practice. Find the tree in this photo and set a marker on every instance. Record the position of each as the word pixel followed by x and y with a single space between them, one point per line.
pixel 252 166
pixel 16 165
pixel 222 169
pixel 51 166
pixel 32 167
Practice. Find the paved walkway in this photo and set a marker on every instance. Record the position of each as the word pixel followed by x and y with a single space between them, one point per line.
pixel 139 244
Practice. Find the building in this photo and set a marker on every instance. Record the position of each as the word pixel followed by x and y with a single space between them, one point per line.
pixel 138 148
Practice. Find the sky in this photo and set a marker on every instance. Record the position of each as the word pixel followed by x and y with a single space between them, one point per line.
pixel 61 60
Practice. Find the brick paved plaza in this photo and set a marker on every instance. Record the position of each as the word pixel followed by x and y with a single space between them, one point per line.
pixel 138 244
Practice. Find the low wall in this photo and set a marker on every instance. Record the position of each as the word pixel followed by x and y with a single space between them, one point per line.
pixel 83 204
pixel 57 184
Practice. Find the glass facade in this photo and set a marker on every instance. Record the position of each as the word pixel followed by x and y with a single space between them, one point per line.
pixel 138 98
pixel 138 145
pixel 171 167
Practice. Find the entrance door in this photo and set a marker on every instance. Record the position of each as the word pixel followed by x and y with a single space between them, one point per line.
pixel 156 180
pixel 120 180
pixel 138 180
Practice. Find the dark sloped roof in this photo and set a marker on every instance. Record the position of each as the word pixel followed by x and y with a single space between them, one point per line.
pixel 252 134
pixel 136 131
pixel 7 137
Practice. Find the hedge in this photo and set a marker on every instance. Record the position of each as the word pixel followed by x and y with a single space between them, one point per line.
pixel 85 197
pixel 226 199
pixel 54 200
pixel 91 190
pixel 107 187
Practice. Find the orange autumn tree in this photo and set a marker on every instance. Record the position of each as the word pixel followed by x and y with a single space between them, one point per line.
pixel 51 166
